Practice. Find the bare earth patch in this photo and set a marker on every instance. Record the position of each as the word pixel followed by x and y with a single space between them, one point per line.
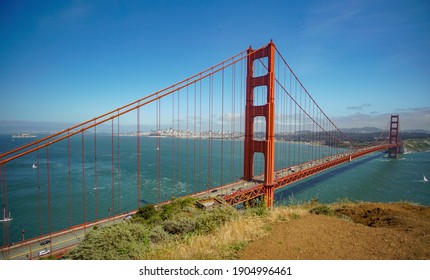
pixel 362 231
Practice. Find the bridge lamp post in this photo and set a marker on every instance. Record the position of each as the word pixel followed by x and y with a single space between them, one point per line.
pixel 23 232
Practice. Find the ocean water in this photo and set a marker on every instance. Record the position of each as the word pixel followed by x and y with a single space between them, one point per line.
pixel 73 184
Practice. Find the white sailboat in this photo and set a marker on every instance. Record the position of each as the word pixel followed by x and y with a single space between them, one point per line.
pixel 34 165
pixel 6 219
pixel 424 178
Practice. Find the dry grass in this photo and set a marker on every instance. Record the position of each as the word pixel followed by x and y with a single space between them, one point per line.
pixel 179 231
pixel 228 239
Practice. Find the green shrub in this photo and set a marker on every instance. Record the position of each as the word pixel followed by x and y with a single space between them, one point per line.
pixel 186 201
pixel 179 226
pixel 158 234
pixel 167 211
pixel 322 210
pixel 212 219
pixel 121 241
pixel 260 210
pixel 146 212
pixel 295 216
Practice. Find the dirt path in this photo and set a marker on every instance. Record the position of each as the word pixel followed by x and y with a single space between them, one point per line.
pixel 355 231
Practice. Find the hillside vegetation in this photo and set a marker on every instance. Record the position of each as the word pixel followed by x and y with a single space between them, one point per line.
pixel 158 233
pixel 417 145
pixel 343 230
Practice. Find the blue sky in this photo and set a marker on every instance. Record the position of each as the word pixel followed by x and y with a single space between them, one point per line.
pixel 69 61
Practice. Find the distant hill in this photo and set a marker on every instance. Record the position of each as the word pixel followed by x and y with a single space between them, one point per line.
pixel 415 131
pixel 361 130
pixel 375 130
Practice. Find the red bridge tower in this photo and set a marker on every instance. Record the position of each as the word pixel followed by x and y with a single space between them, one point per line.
pixel 267 146
pixel 394 137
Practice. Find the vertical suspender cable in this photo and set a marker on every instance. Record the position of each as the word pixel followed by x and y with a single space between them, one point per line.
pixel 48 170
pixel 5 241
pixel 291 134
pixel 233 127
pixel 320 135
pixel 83 178
pixel 111 210
pixel 299 152
pixel 178 161
pixel 39 210
pixel 195 133
pixel 173 145
pixel 305 131
pixel 200 133
pixel 2 182
pixel 242 104
pixel 158 149
pixel 5 204
pixel 211 87
pixel 281 100
pixel 186 148
pixel 279 107
pixel 96 177
pixel 222 126
pixel 68 182
pixel 295 125
pixel 313 133
pixel 119 168
pixel 138 153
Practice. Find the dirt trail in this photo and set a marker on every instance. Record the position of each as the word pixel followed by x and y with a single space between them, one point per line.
pixel 362 231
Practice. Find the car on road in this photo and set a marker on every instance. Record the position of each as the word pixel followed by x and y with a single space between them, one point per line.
pixel 128 217
pixel 43 243
pixel 44 252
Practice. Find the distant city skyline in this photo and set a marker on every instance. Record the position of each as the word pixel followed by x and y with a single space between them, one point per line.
pixel 69 61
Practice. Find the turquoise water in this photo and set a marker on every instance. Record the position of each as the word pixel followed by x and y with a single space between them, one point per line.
pixel 104 184
pixel 371 178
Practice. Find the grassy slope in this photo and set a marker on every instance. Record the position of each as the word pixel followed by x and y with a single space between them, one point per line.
pixel 181 231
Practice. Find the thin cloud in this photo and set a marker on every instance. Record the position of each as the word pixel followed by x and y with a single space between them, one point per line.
pixel 359 107
pixel 67 18
pixel 331 18
pixel 416 109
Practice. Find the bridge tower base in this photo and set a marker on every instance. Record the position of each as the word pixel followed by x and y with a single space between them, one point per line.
pixel 267 146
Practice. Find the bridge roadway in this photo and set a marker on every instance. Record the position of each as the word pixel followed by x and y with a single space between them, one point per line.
pixel 245 191
pixel 59 241
pixel 234 194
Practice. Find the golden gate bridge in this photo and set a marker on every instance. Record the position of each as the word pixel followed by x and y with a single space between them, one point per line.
pixel 236 131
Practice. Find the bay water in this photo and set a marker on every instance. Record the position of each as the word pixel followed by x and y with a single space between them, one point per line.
pixel 72 184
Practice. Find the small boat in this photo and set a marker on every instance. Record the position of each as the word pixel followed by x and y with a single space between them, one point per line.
pixel 424 178
pixel 34 165
pixel 6 219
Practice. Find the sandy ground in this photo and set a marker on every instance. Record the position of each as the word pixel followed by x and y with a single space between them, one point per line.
pixel 363 231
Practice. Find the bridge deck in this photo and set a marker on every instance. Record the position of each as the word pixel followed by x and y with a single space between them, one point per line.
pixel 241 191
